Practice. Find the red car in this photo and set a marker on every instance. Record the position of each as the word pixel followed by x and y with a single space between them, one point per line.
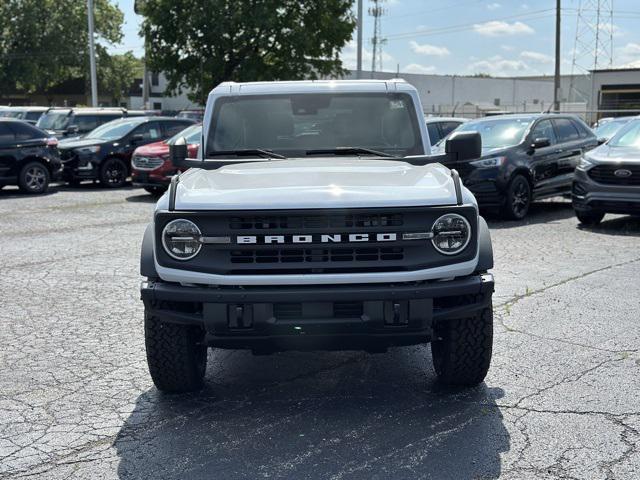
pixel 150 164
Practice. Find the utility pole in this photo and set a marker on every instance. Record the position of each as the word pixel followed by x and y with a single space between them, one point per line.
pixel 359 46
pixel 556 78
pixel 377 12
pixel 92 56
pixel 138 8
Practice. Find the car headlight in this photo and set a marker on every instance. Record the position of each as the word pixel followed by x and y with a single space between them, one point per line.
pixel 584 163
pixel 451 234
pixel 488 162
pixel 85 150
pixel 181 239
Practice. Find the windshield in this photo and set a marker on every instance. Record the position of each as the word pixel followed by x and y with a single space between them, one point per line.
pixel 498 133
pixel 293 124
pixel 191 134
pixel 54 120
pixel 609 129
pixel 627 136
pixel 113 130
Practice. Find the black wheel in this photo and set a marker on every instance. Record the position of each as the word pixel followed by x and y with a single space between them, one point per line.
pixel 462 350
pixel 518 198
pixel 113 173
pixel 176 356
pixel 590 219
pixel 156 190
pixel 34 178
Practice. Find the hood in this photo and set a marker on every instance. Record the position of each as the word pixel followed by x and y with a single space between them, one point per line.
pixel 493 151
pixel 316 183
pixel 608 154
pixel 153 149
pixel 78 143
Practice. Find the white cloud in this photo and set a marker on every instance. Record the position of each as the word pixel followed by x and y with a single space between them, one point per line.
pixel 499 66
pixel 431 50
pixel 349 58
pixel 536 57
pixel 507 48
pixel 494 6
pixel 496 28
pixel 627 56
pixel 417 68
pixel 524 6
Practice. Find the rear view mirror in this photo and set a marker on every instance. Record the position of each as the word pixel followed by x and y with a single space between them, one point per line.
pixel 72 130
pixel 540 143
pixel 137 138
pixel 602 140
pixel 462 146
pixel 178 152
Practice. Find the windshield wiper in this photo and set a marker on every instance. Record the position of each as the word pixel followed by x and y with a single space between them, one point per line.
pixel 247 153
pixel 349 151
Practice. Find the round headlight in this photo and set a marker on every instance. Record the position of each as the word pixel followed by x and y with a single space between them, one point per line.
pixel 181 239
pixel 451 234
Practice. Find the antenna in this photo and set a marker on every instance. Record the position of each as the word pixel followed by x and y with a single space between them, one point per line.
pixel 377 11
pixel 593 44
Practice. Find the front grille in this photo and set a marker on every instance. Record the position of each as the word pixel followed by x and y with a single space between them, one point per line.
pixel 67 155
pixel 315 221
pixel 315 255
pixel 295 311
pixel 147 163
pixel 607 174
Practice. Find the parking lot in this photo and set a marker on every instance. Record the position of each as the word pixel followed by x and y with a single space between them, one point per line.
pixel 76 400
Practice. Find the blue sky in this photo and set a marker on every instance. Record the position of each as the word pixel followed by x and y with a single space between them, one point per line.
pixel 499 37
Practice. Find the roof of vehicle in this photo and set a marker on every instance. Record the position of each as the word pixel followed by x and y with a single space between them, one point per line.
pixel 27 109
pixel 523 116
pixel 154 118
pixel 312 86
pixel 445 119
pixel 91 110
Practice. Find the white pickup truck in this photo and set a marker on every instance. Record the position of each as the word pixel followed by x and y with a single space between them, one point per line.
pixel 316 218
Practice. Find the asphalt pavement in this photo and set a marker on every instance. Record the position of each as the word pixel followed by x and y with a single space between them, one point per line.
pixel 76 402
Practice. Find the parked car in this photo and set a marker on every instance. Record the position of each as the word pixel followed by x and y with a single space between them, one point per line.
pixel 607 179
pixel 604 131
pixel 76 122
pixel 28 156
pixel 440 127
pixel 105 153
pixel 27 114
pixel 197 115
pixel 524 158
pixel 151 167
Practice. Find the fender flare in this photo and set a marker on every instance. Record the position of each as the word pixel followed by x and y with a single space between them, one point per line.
pixel 485 249
pixel 147 261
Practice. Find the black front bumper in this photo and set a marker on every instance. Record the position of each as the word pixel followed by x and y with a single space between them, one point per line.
pixel 370 317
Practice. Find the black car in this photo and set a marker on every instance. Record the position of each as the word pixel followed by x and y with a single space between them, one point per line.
pixel 440 127
pixel 105 153
pixel 27 114
pixel 28 156
pixel 524 158
pixel 76 122
pixel 607 179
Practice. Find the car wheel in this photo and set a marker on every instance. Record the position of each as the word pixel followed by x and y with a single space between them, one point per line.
pixel 156 190
pixel 462 349
pixel 34 178
pixel 113 173
pixel 590 219
pixel 176 356
pixel 518 198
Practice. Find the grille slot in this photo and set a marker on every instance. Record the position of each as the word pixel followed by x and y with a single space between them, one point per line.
pixel 147 163
pixel 287 311
pixel 606 174
pixel 316 255
pixel 347 309
pixel 316 221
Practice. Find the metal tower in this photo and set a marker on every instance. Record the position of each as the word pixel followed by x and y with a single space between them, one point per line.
pixel 377 11
pixel 593 45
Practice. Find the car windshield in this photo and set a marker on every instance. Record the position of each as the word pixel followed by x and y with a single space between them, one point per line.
pixel 609 129
pixel 191 134
pixel 627 136
pixel 498 132
pixel 54 120
pixel 113 130
pixel 13 114
pixel 293 124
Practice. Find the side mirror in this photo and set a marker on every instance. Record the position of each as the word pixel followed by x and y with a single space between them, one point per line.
pixel 72 130
pixel 462 146
pixel 178 152
pixel 602 140
pixel 540 143
pixel 137 138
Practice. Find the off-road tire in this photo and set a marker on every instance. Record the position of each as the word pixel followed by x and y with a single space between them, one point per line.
pixel 34 177
pixel 518 198
pixel 462 349
pixel 590 219
pixel 176 356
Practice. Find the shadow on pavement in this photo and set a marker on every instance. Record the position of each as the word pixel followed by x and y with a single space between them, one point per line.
pixel 143 198
pixel 618 225
pixel 316 415
pixel 540 212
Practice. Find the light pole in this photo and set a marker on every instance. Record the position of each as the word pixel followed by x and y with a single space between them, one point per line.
pixel 359 46
pixel 92 56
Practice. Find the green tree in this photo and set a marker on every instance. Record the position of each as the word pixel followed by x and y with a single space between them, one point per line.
pixel 200 43
pixel 117 73
pixel 45 42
